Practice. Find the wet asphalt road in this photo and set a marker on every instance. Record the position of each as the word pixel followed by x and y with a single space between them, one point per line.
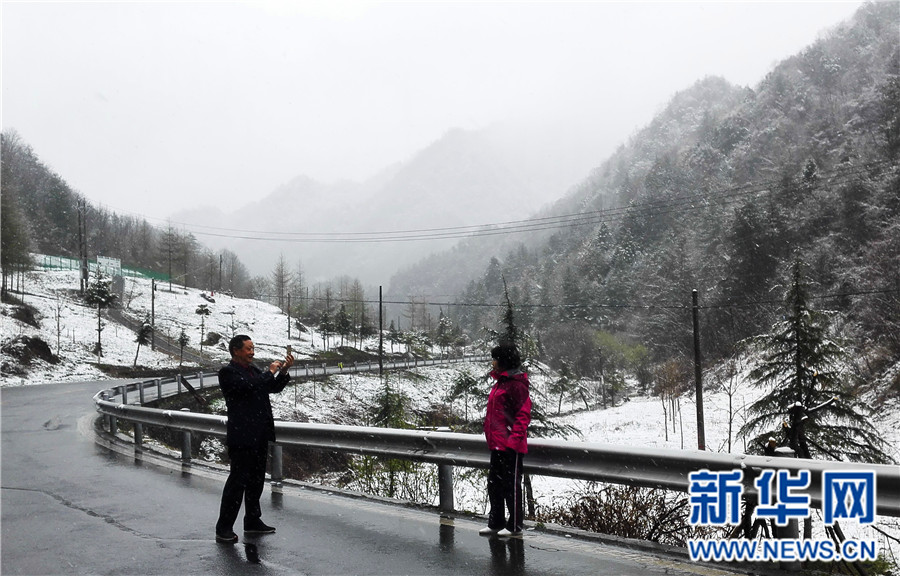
pixel 71 506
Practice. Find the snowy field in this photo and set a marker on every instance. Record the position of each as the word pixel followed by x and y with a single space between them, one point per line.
pixel 71 331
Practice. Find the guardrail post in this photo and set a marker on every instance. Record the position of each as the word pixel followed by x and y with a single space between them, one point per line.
pixel 792 529
pixel 445 487
pixel 200 379
pixel 113 425
pixel 185 440
pixel 178 379
pixel 138 437
pixel 141 392
pixel 124 393
pixel 159 388
pixel 277 467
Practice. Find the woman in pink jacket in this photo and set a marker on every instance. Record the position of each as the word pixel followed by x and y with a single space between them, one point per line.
pixel 505 428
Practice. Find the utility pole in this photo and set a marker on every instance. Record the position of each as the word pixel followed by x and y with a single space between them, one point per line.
pixel 82 244
pixel 153 313
pixel 698 373
pixel 380 336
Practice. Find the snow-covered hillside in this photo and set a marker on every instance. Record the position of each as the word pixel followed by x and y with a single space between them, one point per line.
pixel 70 330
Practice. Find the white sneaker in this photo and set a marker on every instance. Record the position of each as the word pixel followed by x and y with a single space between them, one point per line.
pixel 507 534
pixel 488 531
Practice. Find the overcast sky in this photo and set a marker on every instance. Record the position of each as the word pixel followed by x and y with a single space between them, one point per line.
pixel 153 107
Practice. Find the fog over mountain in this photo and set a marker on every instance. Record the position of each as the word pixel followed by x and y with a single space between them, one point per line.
pixel 466 178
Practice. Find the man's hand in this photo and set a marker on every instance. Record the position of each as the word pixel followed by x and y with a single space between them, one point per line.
pixel 281 365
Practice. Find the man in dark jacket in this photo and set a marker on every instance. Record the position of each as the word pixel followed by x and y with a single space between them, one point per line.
pixel 250 428
pixel 506 431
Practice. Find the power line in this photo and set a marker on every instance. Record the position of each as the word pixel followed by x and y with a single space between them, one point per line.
pixel 655 208
pixel 632 306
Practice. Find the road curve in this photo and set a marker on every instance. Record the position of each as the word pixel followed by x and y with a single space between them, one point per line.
pixel 69 505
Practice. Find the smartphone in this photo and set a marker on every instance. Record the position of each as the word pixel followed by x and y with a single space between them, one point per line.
pixel 288 350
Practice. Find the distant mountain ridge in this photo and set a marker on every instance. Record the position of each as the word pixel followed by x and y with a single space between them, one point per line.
pixel 465 178
pixel 672 128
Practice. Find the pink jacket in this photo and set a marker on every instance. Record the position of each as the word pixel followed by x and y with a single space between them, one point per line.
pixel 508 412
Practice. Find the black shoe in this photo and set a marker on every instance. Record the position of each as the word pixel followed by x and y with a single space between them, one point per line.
pixel 230 538
pixel 258 527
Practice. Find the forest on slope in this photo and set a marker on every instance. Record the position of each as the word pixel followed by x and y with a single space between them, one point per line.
pixel 41 213
pixel 722 192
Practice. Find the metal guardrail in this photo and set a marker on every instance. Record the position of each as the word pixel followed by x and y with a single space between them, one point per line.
pixel 633 466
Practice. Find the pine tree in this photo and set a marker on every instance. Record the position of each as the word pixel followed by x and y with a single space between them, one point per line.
pixel 393 335
pixel 466 385
pixel 805 373
pixel 203 311
pixel 143 336
pixel 561 386
pixel 511 333
pixel 343 324
pixel 366 328
pixel 183 340
pixel 444 336
pixel 99 293
pixel 389 410
pixel 326 326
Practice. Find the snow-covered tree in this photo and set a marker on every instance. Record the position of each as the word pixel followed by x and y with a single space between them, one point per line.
pixel 183 340
pixel 99 294
pixel 343 325
pixel 203 311
pixel 466 385
pixel 393 335
pixel 561 386
pixel 809 391
pixel 143 336
pixel 326 327
pixel 444 336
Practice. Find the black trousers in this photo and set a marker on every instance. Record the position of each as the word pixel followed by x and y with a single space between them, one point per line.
pixel 505 491
pixel 245 484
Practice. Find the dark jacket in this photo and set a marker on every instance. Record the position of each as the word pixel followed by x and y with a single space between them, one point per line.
pixel 508 412
pixel 246 392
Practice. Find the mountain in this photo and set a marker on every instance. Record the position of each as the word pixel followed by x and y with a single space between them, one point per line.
pixel 439 273
pixel 721 192
pixel 465 178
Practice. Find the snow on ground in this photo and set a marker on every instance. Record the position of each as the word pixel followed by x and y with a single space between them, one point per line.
pixel 70 328
pixel 176 310
pixel 71 331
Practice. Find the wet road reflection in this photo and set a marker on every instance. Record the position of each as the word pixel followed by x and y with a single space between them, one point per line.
pixel 252 553
pixel 507 556
pixel 447 534
pixel 277 501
